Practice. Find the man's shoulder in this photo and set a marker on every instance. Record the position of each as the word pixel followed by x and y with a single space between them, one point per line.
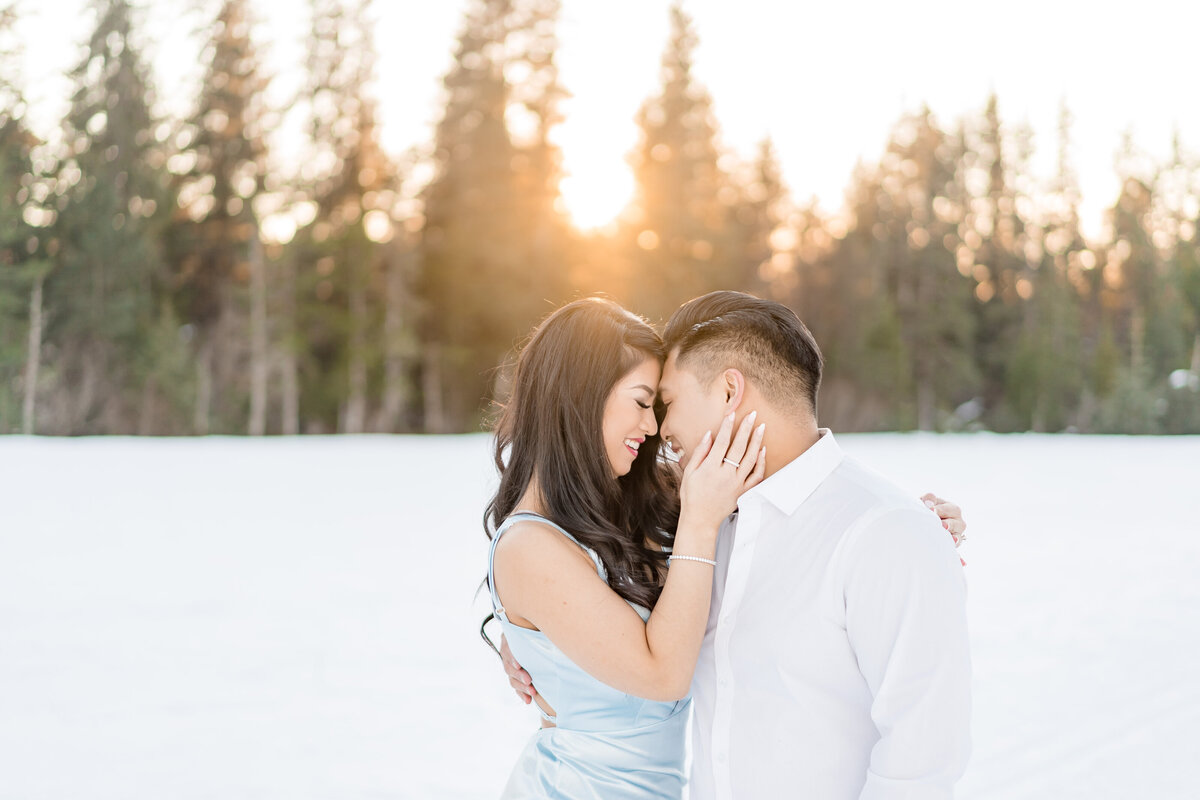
pixel 887 523
pixel 871 492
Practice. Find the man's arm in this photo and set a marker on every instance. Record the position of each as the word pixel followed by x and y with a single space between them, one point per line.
pixel 906 620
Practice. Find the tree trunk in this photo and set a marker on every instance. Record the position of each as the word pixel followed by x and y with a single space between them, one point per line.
pixel 355 417
pixel 258 339
pixel 289 373
pixel 89 359
pixel 1137 340
pixel 204 382
pixel 394 386
pixel 33 359
pixel 228 348
pixel 431 384
pixel 925 354
pixel 147 424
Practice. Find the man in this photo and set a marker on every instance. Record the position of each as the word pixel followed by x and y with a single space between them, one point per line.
pixel 835 663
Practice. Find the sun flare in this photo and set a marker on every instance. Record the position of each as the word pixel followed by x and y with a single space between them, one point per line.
pixel 595 193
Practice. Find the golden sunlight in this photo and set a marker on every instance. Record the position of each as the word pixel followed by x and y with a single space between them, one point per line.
pixel 595 193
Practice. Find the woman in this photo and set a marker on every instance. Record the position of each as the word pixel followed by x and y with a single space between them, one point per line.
pixel 587 518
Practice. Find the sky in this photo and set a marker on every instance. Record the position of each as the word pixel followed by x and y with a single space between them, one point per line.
pixel 826 81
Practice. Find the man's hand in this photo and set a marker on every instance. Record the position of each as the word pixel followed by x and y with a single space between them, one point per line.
pixel 519 679
pixel 950 515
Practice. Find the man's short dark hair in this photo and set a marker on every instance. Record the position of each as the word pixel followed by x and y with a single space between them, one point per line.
pixel 763 339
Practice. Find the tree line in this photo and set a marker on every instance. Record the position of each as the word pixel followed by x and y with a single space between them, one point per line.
pixel 169 276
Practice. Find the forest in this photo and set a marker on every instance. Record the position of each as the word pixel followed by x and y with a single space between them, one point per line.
pixel 170 276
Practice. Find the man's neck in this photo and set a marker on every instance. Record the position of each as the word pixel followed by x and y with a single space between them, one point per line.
pixel 786 440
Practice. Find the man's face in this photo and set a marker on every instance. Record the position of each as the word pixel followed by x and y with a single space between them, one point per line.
pixel 692 409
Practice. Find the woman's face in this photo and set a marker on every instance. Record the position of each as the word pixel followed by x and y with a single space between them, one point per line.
pixel 629 415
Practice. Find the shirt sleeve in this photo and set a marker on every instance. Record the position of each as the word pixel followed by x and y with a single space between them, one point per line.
pixel 905 598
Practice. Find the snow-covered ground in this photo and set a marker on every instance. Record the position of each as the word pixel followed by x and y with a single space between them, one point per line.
pixel 294 618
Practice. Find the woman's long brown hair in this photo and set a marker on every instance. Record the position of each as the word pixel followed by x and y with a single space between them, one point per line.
pixel 551 427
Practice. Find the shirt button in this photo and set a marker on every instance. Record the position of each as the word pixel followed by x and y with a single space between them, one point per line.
pixel 724 683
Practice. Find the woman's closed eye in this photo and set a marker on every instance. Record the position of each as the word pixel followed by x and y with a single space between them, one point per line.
pixel 643 405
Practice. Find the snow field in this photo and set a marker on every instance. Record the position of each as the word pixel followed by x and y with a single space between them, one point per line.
pixel 295 618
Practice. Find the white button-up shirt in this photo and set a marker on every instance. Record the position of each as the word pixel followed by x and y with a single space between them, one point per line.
pixel 835 663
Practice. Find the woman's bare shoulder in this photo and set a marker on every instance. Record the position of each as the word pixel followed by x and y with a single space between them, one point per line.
pixel 532 542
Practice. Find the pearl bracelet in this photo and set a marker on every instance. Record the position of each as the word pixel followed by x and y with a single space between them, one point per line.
pixel 692 558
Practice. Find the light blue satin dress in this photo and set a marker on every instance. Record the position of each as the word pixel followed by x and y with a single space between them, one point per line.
pixel 606 745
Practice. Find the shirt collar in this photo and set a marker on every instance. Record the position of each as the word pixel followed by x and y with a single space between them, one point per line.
pixel 791 485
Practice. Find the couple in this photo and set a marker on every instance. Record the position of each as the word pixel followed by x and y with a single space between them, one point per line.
pixel 812 613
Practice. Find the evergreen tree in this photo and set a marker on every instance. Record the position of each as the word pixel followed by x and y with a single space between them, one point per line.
pixel 997 233
pixel 23 246
pixel 889 302
pixel 116 354
pixel 535 94
pixel 345 267
pixel 758 219
pixel 492 234
pixel 680 230
pixel 840 294
pixel 218 254
pixel 932 296
pixel 1044 375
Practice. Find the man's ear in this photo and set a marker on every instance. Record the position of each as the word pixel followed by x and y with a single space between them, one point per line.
pixel 733 383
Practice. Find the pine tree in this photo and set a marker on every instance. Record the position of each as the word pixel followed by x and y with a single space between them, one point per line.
pixel 474 282
pixel 116 348
pixel 535 93
pixel 219 256
pixel 680 230
pixel 23 246
pixel 345 265
pixel 1145 290
pixel 889 300
pixel 996 231
pixel 758 217
pixel 840 294
pixel 926 201
pixel 1044 374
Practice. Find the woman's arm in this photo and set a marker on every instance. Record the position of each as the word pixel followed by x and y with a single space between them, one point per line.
pixel 950 515
pixel 545 580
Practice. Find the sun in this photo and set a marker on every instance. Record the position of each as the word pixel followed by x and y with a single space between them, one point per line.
pixel 594 193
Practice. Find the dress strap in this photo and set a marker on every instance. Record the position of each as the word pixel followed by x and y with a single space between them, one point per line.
pixel 517 516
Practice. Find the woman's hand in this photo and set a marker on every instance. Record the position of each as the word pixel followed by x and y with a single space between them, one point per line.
pixel 720 471
pixel 950 516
